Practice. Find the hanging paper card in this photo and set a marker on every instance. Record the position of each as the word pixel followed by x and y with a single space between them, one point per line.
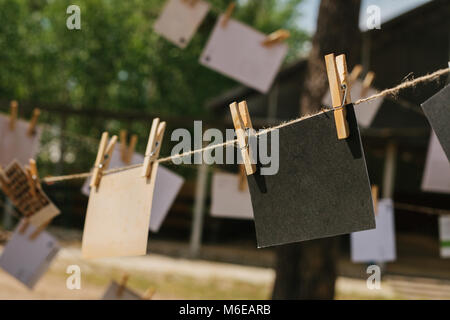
pixel 444 234
pixel 377 245
pixel 436 176
pixel 227 201
pixel 321 189
pixel 17 144
pixel 236 50
pixel 36 207
pixel 28 259
pixel 118 215
pixel 437 110
pixel 180 19
pixel 167 186
pixel 366 111
pixel 115 292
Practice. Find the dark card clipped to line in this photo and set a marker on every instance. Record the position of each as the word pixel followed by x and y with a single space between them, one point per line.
pixel 437 110
pixel 322 187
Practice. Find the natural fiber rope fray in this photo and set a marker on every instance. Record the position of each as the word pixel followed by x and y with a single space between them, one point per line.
pixel 388 92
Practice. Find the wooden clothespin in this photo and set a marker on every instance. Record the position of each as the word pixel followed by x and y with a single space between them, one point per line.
pixel 356 71
pixel 276 37
pixel 242 124
pixel 32 176
pixel 39 230
pixel 375 198
pixel 104 153
pixel 153 146
pixel 127 151
pixel 367 82
pixel 148 294
pixel 122 285
pixel 4 181
pixel 228 13
pixel 340 91
pixel 14 106
pixel 242 178
pixel 34 119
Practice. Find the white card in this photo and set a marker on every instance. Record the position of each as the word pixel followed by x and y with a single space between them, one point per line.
pixel 436 176
pixel 125 294
pixel 27 260
pixel 227 201
pixel 444 235
pixel 17 144
pixel 236 50
pixel 167 186
pixel 376 245
pixel 180 19
pixel 365 112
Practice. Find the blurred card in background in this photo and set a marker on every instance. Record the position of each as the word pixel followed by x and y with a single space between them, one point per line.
pixel 180 19
pixel 17 144
pixel 321 189
pixel 227 201
pixel 236 50
pixel 444 234
pixel 116 292
pixel 437 110
pixel 366 111
pixel 28 259
pixel 377 245
pixel 436 176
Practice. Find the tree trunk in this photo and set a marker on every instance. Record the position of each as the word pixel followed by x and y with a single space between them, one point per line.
pixel 307 270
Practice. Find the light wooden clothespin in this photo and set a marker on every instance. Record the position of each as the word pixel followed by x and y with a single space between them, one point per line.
pixel 356 71
pixel 340 91
pixel 148 294
pixel 34 119
pixel 122 285
pixel 153 146
pixel 14 106
pixel 104 153
pixel 375 198
pixel 228 13
pixel 32 176
pixel 242 124
pixel 127 151
pixel 242 178
pixel 276 37
pixel 367 82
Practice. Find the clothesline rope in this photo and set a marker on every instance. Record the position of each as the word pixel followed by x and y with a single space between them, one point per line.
pixel 387 92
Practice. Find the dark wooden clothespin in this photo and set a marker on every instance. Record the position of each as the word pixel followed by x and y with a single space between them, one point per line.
pixel 104 153
pixel 242 185
pixel 228 13
pixel 242 125
pixel 127 151
pixel 340 91
pixel 122 285
pixel 34 119
pixel 153 146
pixel 276 37
pixel 14 106
pixel 375 198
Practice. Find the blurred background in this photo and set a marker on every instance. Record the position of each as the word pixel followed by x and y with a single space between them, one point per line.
pixel 117 73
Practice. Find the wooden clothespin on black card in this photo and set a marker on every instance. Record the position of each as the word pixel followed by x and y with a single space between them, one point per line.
pixel 243 127
pixel 276 37
pixel 228 13
pixel 153 146
pixel 127 150
pixel 104 153
pixel 375 198
pixel 14 107
pixel 340 91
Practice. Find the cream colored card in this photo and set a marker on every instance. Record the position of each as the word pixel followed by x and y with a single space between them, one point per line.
pixel 113 293
pixel 227 201
pixel 376 245
pixel 180 19
pixel 236 51
pixel 444 235
pixel 17 144
pixel 36 207
pixel 118 215
pixel 366 111
pixel 27 260
pixel 436 176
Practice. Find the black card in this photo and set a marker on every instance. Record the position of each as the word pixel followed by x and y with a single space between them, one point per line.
pixel 321 189
pixel 437 110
